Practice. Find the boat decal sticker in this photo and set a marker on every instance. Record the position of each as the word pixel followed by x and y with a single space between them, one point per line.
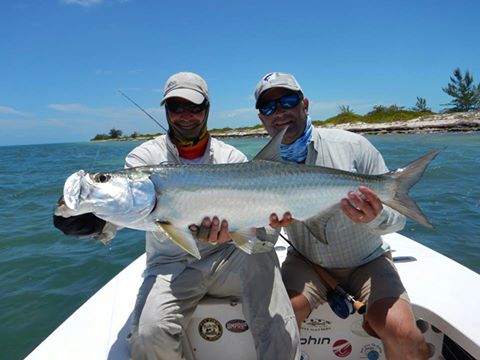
pixel 371 352
pixel 210 329
pixel 236 325
pixel 315 340
pixel 316 325
pixel 342 348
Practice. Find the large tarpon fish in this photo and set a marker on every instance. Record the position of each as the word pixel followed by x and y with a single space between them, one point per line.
pixel 168 198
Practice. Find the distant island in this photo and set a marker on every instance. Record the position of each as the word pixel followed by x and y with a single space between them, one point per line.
pixel 382 120
pixel 461 114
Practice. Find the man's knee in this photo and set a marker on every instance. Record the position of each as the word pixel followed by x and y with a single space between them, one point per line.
pixel 149 339
pixel 301 306
pixel 393 318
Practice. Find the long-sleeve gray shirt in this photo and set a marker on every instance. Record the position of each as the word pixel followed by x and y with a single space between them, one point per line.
pixel 348 244
pixel 164 257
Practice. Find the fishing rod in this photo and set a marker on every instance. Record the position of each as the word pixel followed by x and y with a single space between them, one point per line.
pixel 357 305
pixel 340 301
pixel 144 111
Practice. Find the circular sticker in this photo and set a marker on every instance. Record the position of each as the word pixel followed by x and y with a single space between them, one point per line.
pixel 304 356
pixel 210 329
pixel 371 351
pixel 342 348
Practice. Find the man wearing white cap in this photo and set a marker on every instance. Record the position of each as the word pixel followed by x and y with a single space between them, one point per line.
pixel 175 281
pixel 352 248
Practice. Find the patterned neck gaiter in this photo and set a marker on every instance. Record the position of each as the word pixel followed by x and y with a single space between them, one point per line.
pixel 297 151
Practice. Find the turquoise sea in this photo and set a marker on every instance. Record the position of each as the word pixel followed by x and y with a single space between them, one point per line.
pixel 45 276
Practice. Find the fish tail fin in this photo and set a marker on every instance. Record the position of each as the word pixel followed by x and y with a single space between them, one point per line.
pixel 405 178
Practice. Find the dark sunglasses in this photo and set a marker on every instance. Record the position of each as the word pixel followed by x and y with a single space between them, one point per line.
pixel 177 107
pixel 286 102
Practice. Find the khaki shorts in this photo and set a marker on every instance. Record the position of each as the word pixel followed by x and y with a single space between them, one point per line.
pixel 370 282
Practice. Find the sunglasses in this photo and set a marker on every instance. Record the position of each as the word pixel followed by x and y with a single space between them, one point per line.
pixel 180 107
pixel 286 102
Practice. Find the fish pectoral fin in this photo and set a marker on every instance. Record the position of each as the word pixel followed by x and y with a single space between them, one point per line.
pixel 317 224
pixel 182 238
pixel 246 240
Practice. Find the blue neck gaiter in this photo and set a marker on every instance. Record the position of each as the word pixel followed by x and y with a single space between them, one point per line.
pixel 297 151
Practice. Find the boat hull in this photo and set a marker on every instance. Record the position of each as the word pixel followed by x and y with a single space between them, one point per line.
pixel 97 330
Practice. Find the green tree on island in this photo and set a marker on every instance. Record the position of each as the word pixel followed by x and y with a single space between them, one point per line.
pixel 345 110
pixel 466 95
pixel 115 134
pixel 421 105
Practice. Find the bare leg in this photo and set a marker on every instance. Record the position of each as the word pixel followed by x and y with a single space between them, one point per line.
pixel 301 306
pixel 393 320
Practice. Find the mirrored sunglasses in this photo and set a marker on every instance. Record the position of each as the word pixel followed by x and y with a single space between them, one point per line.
pixel 286 102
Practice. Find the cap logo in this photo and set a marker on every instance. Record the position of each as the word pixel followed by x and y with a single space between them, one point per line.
pixel 271 76
pixel 171 83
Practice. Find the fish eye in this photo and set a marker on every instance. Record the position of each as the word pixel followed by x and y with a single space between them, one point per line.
pixel 102 178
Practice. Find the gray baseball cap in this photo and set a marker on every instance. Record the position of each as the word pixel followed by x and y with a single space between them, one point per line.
pixel 274 80
pixel 186 85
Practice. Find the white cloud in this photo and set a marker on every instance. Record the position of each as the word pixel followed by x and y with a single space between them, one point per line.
pixel 122 117
pixel 103 72
pixel 68 107
pixel 238 113
pixel 76 122
pixel 12 111
pixel 84 3
pixel 319 108
pixel 332 105
pixel 31 123
pixel 90 3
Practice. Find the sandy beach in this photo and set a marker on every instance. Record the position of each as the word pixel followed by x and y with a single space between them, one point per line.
pixel 454 122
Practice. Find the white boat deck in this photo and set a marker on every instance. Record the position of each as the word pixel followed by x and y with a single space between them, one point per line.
pixel 443 292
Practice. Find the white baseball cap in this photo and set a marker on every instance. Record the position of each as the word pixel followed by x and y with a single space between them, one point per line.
pixel 186 85
pixel 276 80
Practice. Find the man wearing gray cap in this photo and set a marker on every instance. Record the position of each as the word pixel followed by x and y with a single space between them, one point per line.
pixel 174 281
pixel 352 249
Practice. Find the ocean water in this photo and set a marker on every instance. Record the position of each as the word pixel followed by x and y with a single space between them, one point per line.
pixel 45 276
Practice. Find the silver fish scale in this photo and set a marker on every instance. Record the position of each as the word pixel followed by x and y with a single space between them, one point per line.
pixel 246 194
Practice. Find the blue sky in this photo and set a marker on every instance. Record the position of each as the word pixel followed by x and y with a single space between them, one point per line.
pixel 62 61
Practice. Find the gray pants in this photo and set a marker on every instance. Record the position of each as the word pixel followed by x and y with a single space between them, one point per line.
pixel 164 308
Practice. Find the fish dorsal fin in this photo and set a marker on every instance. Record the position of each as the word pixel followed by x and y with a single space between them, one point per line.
pixel 271 151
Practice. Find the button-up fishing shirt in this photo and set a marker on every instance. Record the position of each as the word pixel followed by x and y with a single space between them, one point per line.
pixel 348 244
